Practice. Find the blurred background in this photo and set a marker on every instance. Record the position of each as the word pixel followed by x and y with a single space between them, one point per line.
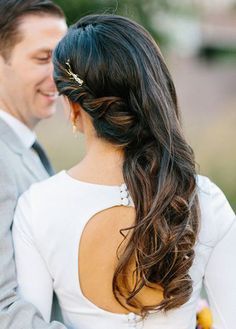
pixel 198 40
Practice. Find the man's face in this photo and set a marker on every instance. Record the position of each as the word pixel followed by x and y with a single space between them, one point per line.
pixel 27 90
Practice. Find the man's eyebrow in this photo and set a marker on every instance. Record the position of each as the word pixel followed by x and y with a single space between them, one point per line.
pixel 43 50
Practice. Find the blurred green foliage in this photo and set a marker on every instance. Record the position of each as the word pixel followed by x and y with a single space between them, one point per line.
pixel 138 10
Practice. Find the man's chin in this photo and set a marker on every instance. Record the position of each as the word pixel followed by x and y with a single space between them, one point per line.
pixel 47 113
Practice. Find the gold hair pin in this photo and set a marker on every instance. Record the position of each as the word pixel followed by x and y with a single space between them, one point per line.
pixel 73 75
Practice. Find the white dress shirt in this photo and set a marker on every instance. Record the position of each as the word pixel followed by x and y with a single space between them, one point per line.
pixel 48 225
pixel 26 136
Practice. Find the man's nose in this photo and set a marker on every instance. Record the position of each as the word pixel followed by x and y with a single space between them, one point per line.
pixel 50 72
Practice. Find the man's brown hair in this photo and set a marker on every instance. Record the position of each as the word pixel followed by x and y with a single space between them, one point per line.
pixel 11 13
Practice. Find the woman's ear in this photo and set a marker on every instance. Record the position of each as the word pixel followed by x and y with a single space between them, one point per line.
pixel 76 117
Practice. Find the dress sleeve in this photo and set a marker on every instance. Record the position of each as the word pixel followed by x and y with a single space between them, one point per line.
pixel 220 273
pixel 34 280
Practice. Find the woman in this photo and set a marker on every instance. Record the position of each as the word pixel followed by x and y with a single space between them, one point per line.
pixel 127 237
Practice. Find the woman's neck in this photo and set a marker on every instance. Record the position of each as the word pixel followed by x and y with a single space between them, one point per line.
pixel 102 164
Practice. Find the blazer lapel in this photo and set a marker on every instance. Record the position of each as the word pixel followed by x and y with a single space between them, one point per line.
pixel 11 139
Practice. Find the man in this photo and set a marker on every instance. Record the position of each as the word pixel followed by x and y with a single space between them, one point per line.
pixel 29 30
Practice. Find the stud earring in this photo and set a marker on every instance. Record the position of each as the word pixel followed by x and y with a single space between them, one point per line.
pixel 74 128
pixel 73 123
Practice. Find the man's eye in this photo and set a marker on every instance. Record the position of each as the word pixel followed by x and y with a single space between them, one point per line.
pixel 43 59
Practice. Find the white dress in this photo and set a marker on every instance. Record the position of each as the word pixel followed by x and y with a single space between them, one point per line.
pixel 48 225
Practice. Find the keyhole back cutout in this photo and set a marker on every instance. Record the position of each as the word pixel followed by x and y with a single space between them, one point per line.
pixel 97 259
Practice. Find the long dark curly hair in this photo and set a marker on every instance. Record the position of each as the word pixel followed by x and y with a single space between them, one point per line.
pixel 128 92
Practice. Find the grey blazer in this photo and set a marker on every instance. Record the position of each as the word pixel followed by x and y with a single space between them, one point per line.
pixel 18 170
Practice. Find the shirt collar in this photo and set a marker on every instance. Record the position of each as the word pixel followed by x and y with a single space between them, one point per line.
pixel 26 136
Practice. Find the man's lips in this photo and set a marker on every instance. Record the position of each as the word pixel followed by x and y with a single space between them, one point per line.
pixel 51 95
